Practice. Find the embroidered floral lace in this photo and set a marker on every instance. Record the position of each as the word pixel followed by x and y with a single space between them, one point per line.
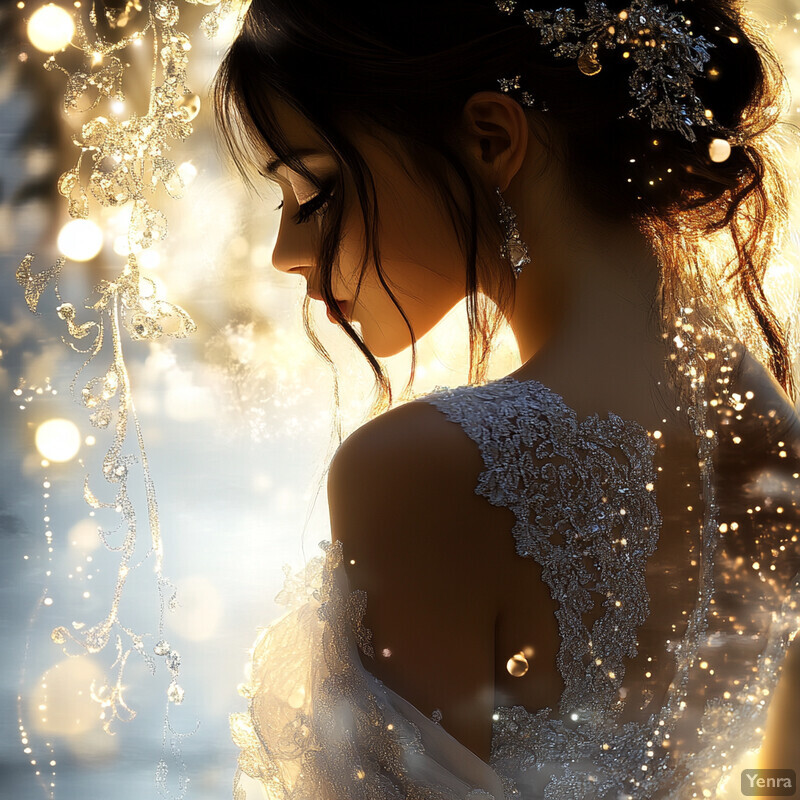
pixel 676 591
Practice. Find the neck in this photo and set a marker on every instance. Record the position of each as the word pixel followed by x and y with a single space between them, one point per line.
pixel 588 297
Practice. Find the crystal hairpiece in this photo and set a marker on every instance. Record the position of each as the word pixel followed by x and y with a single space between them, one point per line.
pixel 658 41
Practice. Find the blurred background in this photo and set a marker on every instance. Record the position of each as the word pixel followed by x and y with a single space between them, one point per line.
pixel 237 422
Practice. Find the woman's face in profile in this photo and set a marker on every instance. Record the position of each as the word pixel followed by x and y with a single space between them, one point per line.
pixel 420 255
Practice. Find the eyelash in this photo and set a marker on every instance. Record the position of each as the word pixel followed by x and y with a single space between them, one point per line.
pixel 317 205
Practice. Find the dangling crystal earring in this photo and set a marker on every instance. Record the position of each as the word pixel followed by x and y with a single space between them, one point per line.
pixel 513 248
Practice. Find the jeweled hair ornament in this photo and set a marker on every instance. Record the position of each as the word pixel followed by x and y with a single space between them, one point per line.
pixel 667 56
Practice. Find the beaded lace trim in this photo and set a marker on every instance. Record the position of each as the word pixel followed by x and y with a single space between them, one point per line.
pixel 562 481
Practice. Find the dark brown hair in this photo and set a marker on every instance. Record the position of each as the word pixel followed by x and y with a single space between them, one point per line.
pixel 409 67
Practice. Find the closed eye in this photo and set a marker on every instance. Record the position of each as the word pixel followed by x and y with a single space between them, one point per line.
pixel 317 205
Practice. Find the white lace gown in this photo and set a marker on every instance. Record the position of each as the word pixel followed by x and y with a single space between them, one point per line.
pixel 664 690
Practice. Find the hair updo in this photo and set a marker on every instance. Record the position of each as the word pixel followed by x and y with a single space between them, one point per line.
pixel 409 67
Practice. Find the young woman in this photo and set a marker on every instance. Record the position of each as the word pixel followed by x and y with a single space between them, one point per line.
pixel 576 581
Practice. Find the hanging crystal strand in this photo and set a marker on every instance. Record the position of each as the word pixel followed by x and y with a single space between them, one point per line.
pixel 121 161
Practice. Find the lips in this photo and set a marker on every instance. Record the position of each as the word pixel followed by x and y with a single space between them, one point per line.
pixel 344 306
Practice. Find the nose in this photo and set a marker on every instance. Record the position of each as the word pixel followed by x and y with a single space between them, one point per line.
pixel 293 251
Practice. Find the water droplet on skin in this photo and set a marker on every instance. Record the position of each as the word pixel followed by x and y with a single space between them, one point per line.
pixel 517 665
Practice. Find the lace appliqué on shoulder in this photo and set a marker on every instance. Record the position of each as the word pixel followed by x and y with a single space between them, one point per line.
pixel 589 519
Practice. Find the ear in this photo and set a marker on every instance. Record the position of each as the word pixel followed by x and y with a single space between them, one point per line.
pixel 495 134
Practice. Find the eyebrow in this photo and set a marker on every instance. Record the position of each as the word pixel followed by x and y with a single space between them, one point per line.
pixel 273 165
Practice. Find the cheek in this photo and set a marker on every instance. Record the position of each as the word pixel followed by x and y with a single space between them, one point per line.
pixel 418 246
pixel 419 229
pixel 421 261
pixel 424 295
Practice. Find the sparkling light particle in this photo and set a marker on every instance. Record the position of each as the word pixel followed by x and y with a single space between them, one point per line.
pixel 188 172
pixel 719 150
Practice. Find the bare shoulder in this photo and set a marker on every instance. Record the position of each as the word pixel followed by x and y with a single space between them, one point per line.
pixel 410 443
pixel 410 425
pixel 410 473
pixel 402 502
pixel 761 402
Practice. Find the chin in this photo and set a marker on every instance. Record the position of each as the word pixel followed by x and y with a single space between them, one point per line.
pixel 385 350
pixel 383 347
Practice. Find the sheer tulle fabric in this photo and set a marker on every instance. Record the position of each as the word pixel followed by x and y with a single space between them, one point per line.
pixel 321 727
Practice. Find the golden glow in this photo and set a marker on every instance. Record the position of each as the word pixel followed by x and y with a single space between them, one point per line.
pixel 297 697
pixel 61 702
pixel 51 28
pixel 719 150
pixel 188 172
pixel 149 259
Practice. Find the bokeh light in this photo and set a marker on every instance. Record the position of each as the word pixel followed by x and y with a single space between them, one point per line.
pixel 61 702
pixel 83 535
pixel 719 150
pixel 80 239
pixel 58 440
pixel 51 28
pixel 188 172
pixel 148 259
